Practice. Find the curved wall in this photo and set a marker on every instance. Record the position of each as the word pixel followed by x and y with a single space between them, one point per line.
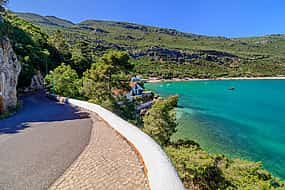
pixel 160 172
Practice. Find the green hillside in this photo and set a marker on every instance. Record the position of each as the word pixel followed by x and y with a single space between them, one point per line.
pixel 49 21
pixel 169 53
pixel 74 53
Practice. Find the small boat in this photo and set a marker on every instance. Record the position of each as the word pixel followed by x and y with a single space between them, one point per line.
pixel 232 88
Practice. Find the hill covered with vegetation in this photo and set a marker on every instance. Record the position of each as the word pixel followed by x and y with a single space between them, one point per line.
pixel 168 53
pixel 84 67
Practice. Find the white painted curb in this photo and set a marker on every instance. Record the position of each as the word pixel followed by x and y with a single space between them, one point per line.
pixel 160 172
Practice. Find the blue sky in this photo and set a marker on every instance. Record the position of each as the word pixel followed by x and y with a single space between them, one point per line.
pixel 231 18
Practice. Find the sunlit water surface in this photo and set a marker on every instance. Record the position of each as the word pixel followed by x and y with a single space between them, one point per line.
pixel 248 122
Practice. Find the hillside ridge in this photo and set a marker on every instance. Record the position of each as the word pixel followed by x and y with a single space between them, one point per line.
pixel 197 55
pixel 83 22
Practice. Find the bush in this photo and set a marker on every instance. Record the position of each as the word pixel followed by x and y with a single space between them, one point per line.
pixel 196 168
pixel 200 170
pixel 64 81
pixel 160 121
pixel 10 111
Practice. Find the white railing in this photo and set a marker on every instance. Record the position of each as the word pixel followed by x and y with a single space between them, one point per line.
pixel 160 172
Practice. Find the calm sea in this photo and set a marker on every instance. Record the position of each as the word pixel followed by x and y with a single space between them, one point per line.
pixel 248 122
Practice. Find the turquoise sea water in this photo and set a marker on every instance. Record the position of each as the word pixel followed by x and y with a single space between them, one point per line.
pixel 247 123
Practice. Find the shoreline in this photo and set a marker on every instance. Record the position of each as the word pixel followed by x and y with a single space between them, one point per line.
pixel 156 80
pixel 200 140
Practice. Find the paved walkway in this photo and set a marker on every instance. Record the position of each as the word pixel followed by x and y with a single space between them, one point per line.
pixel 108 162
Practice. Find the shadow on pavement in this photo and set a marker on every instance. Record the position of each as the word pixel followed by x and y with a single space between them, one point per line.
pixel 38 108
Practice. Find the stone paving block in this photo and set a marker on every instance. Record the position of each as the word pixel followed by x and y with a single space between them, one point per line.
pixel 108 162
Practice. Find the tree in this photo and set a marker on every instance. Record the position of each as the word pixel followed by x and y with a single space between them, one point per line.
pixel 63 80
pixel 58 41
pixel 94 83
pixel 119 65
pixel 109 73
pixel 82 57
pixel 160 121
pixel 30 45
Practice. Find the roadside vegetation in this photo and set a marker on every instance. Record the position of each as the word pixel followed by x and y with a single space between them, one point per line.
pixel 72 68
pixel 10 111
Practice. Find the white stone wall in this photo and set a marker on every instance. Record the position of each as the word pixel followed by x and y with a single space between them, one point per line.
pixel 160 172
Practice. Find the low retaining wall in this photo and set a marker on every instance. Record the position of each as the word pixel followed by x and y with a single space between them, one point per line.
pixel 160 172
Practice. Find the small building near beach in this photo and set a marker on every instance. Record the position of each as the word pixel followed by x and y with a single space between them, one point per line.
pixel 136 79
pixel 137 90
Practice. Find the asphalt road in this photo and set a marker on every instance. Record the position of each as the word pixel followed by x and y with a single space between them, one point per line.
pixel 40 142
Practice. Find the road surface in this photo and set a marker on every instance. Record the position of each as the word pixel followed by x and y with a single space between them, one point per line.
pixel 40 142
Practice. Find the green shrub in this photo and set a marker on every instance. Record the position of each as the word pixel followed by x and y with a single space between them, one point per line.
pixel 63 81
pixel 201 170
pixel 160 121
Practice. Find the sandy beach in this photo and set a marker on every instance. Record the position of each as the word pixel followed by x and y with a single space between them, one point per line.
pixel 157 80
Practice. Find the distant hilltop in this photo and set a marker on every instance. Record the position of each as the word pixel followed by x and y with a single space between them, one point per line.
pixel 197 55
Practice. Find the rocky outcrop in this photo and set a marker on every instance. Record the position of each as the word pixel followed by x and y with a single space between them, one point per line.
pixel 182 57
pixel 9 72
pixel 37 82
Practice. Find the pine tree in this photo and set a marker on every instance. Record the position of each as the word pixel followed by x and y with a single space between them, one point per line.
pixel 107 74
pixel 82 57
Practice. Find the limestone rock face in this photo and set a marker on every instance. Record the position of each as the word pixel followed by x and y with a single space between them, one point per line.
pixel 9 72
pixel 37 82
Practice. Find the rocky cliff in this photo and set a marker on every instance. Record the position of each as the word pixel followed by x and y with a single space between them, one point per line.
pixel 37 82
pixel 9 72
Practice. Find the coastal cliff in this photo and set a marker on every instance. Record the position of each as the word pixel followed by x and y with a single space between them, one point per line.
pixel 9 72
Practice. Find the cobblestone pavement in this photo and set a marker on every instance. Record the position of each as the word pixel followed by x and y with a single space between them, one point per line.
pixel 108 162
